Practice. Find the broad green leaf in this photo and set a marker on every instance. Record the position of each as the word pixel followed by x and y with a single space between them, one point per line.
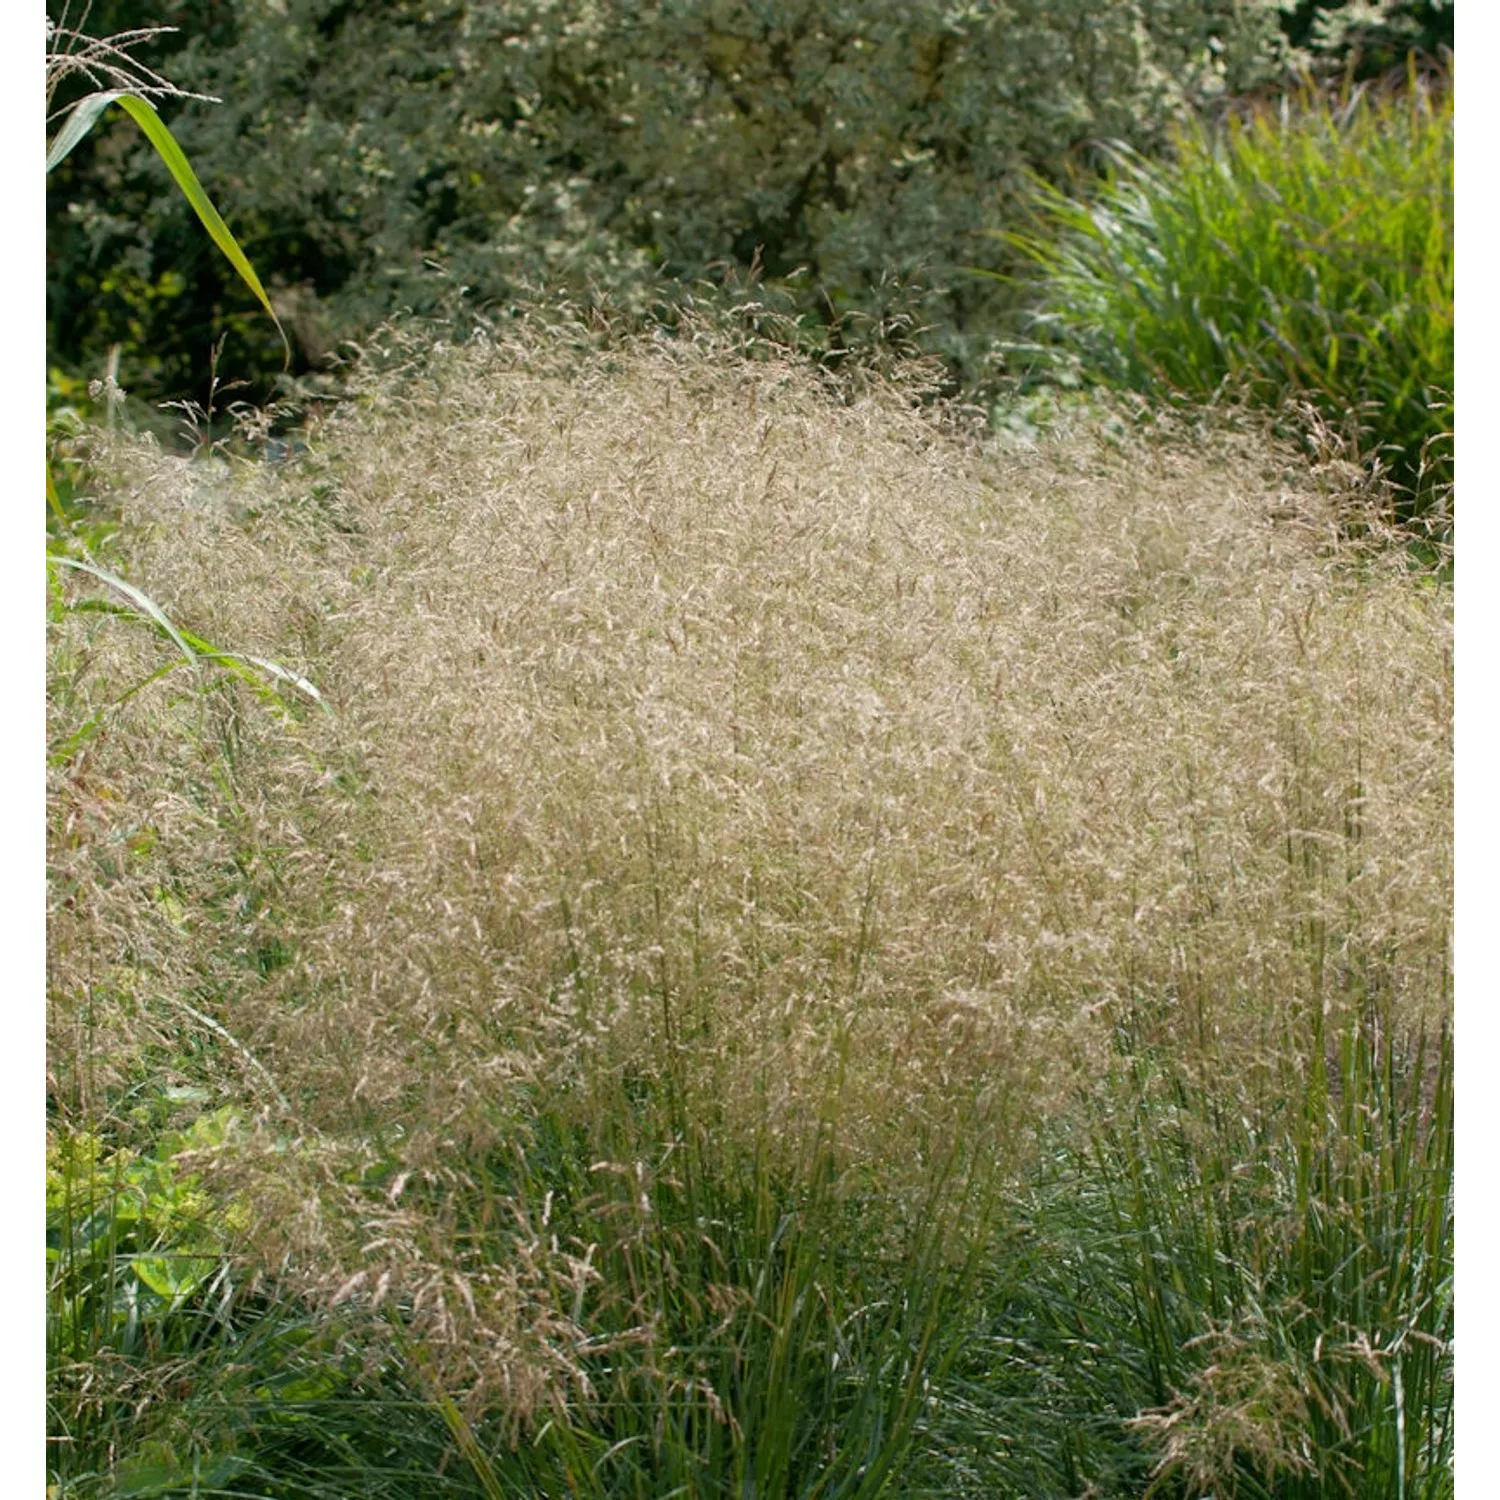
pixel 172 1277
pixel 157 1473
pixel 186 179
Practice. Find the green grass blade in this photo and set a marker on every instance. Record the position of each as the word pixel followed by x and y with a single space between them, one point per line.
pixel 187 180
pixel 142 601
pixel 81 736
pixel 78 124
pixel 53 501
pixel 285 674
pixel 251 670
pixel 86 114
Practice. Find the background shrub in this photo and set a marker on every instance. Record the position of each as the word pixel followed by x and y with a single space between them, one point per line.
pixel 1366 38
pixel 855 152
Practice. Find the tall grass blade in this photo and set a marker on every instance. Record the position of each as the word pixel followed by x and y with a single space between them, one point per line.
pixel 143 602
pixel 83 119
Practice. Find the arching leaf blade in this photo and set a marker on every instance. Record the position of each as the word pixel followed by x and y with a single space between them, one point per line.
pixel 186 179
pixel 77 125
pixel 142 601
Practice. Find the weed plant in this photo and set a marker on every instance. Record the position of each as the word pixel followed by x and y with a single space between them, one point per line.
pixel 751 814
pixel 1300 251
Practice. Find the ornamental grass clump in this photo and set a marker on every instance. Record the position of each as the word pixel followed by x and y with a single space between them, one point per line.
pixel 1303 251
pixel 748 814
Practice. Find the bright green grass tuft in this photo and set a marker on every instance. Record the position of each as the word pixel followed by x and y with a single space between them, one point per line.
pixel 1305 255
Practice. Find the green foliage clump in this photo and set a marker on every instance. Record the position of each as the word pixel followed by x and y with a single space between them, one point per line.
pixel 1304 253
pixel 170 1373
pixel 131 1241
pixel 139 1277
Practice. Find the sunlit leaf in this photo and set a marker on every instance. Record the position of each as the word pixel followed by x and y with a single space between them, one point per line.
pixel 86 114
